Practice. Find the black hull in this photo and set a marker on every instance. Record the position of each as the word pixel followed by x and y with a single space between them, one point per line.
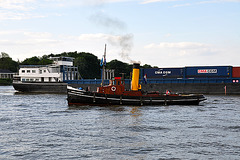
pixel 33 87
pixel 80 97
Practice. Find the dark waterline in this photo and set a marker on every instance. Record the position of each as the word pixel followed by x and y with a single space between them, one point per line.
pixel 42 126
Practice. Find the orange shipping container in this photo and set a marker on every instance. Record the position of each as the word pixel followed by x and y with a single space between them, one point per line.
pixel 236 72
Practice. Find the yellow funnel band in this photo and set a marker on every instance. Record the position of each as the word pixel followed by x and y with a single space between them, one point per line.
pixel 135 77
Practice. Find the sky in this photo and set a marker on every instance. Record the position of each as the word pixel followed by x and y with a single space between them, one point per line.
pixel 163 33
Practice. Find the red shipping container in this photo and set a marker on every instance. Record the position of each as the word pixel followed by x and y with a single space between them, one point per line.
pixel 236 72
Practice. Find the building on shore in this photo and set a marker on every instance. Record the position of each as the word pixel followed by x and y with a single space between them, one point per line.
pixel 6 74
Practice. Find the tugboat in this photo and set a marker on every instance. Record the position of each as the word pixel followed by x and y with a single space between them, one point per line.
pixel 116 94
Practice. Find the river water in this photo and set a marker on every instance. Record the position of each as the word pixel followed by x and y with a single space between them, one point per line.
pixel 42 126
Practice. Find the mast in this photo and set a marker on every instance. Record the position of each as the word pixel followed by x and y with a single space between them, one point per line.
pixel 104 62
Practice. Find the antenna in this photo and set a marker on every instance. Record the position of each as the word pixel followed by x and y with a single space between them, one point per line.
pixel 104 63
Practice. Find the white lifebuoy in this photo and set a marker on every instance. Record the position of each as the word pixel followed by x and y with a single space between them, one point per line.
pixel 113 88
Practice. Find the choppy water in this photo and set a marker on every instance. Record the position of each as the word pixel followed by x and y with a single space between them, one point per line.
pixel 42 126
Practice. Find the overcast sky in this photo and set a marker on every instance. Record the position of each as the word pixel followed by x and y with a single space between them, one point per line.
pixel 163 33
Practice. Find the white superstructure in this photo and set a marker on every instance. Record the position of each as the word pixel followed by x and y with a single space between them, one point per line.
pixel 61 69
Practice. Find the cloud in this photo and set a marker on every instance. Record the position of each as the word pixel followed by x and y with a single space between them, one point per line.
pixel 205 2
pixel 19 37
pixel 9 15
pixel 182 48
pixel 18 9
pixel 179 45
pixel 16 4
pixel 188 4
pixel 218 1
pixel 154 1
pixel 69 3
pixel 183 5
pixel 89 37
pixel 28 9
pixel 21 44
pixel 170 54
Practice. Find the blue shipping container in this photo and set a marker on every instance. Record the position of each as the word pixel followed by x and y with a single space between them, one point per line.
pixel 163 72
pixel 208 71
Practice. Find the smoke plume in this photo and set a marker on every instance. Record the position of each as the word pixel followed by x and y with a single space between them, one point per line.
pixel 123 41
pixel 107 22
pixel 125 44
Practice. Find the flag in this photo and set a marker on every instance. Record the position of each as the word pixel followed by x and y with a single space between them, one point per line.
pixel 168 92
pixel 101 63
pixel 145 78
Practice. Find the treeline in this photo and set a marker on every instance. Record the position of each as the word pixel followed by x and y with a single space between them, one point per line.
pixel 87 63
pixel 7 63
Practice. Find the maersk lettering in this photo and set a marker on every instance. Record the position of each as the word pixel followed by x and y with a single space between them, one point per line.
pixel 163 72
pixel 207 71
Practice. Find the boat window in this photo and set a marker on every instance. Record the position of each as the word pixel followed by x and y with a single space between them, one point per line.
pixel 44 71
pixel 23 71
pixel 33 71
pixel 40 71
pixel 23 80
pixel 28 71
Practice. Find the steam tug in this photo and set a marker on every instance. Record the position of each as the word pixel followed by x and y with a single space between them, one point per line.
pixel 116 94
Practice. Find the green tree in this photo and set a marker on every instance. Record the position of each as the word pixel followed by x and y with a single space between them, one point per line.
pixel 4 55
pixel 88 65
pixel 31 61
pixel 146 66
pixel 120 67
pixel 6 62
pixel 37 61
pixel 67 54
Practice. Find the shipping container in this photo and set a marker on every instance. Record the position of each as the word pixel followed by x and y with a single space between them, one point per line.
pixel 208 72
pixel 163 72
pixel 236 72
